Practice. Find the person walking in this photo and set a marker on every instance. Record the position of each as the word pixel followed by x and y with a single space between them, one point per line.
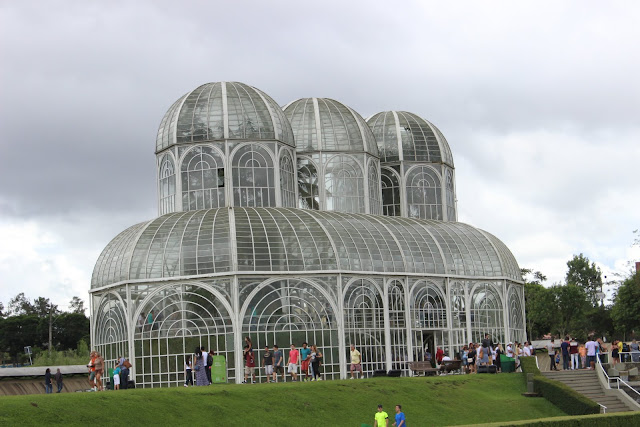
pixel 552 355
pixel 48 387
pixel 187 371
pixel 294 355
pixel 199 366
pixel 279 364
pixel 99 364
pixel 564 347
pixel 400 418
pixel 267 363
pixel 305 360
pixel 316 362
pixel 58 377
pixel 356 361
pixel 381 418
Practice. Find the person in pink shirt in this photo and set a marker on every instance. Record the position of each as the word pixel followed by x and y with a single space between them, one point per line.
pixel 294 355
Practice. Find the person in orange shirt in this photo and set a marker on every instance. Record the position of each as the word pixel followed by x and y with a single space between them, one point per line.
pixel 582 351
pixel 92 369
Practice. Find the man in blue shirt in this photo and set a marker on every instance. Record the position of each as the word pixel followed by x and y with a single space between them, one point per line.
pixel 400 420
pixel 565 353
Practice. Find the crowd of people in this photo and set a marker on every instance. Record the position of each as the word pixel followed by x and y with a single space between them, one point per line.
pixel 574 354
pixel 304 364
pixel 96 367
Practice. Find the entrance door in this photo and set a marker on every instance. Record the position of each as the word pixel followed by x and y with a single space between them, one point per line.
pixel 428 341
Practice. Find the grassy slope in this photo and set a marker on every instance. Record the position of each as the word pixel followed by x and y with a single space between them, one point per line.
pixel 467 399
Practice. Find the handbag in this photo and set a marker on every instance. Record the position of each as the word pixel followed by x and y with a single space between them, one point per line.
pixel 197 367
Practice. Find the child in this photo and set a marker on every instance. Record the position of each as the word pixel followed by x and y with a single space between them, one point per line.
pixel 116 378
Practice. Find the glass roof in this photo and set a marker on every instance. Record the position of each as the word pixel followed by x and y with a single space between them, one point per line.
pixel 286 239
pixel 223 110
pixel 407 134
pixel 323 124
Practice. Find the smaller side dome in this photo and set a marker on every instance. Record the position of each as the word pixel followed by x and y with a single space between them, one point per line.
pixel 323 124
pixel 223 110
pixel 407 134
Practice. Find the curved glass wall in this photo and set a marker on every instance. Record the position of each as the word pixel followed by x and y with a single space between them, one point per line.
pixel 375 207
pixel 308 188
pixel 390 192
pixel 344 185
pixel 287 180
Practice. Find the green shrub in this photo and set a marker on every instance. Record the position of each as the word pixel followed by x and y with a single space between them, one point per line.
pixel 561 395
pixel 604 420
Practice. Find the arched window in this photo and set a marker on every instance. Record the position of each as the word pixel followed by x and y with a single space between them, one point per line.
pixel 287 180
pixel 167 178
pixel 486 314
pixel 364 323
pixel 344 184
pixel 428 310
pixel 374 189
pixel 308 191
pixel 202 179
pixel 516 323
pixel 451 197
pixel 397 326
pixel 423 193
pixel 253 177
pixel 293 311
pixel 390 193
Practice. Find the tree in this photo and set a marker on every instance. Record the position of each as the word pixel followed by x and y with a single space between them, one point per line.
pixel 1 310
pixel 539 303
pixel 43 307
pixel 626 306
pixel 76 305
pixel 20 305
pixel 585 275
pixel 570 306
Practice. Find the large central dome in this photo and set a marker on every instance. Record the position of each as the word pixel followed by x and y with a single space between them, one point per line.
pixel 223 110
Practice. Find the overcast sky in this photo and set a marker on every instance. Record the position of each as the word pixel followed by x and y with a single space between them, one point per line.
pixel 539 101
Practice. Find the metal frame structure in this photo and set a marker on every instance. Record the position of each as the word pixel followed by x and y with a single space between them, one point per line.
pixel 231 256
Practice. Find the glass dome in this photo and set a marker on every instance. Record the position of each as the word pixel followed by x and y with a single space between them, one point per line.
pixel 223 110
pixel 323 124
pixel 407 136
pixel 210 241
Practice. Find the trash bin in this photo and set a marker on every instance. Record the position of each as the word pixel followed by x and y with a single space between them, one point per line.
pixel 508 364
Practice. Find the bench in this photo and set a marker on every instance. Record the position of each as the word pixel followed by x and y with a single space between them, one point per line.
pixel 425 367
pixel 450 365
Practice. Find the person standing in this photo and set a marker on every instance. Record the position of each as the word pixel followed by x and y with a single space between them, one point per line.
pixel 552 355
pixel 187 372
pixel 48 387
pixel 201 375
pixel 615 354
pixel 487 344
pixel 91 366
pixel 58 377
pixel 582 351
pixel 249 365
pixel 635 351
pixel 294 355
pixel 496 361
pixel 591 347
pixel 356 361
pixel 573 353
pixel 210 364
pixel 99 364
pixel 116 378
pixel 305 360
pixel 400 418
pixel 381 418
pixel 564 348
pixel 267 363
pixel 279 364
pixel 124 374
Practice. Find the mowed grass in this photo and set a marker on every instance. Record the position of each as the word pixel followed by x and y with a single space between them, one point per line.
pixel 451 400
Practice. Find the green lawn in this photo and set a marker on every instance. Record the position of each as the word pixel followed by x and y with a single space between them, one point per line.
pixel 460 399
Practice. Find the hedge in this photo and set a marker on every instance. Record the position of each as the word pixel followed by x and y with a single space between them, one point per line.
pixel 561 395
pixel 601 420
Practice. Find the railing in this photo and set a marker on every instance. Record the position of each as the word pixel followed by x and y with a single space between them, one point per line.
pixel 618 380
pixel 604 408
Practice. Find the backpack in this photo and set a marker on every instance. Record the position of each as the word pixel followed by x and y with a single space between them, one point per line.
pixel 127 364
pixel 209 360
pixel 625 348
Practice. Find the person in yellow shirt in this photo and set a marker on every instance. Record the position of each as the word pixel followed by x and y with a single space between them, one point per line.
pixel 356 361
pixel 381 418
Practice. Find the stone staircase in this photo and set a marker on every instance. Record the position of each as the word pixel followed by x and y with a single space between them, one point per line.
pixel 587 383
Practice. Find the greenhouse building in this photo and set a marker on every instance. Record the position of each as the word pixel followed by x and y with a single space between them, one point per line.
pixel 306 223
